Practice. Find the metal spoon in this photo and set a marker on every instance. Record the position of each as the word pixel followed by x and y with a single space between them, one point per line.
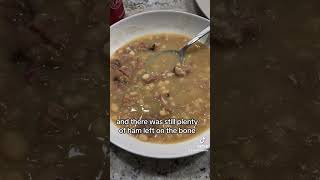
pixel 183 50
pixel 180 53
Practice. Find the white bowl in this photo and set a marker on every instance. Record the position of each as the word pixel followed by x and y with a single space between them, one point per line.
pixel 204 6
pixel 147 23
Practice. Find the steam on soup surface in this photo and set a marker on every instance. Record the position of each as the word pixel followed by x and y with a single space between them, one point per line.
pixel 163 89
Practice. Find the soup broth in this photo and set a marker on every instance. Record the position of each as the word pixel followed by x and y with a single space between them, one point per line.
pixel 163 89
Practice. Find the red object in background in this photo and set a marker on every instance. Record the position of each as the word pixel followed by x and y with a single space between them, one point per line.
pixel 116 11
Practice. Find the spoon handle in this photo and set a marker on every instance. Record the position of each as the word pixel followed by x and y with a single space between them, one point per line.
pixel 197 37
pixel 193 40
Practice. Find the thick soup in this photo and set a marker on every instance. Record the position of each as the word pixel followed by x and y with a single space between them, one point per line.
pixel 163 89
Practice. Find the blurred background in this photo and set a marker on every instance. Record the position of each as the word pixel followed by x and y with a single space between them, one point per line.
pixel 52 89
pixel 267 89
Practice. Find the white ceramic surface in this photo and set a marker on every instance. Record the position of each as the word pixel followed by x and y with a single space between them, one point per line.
pixel 204 5
pixel 147 23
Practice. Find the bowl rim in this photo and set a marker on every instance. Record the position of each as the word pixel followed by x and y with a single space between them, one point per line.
pixel 159 11
pixel 191 141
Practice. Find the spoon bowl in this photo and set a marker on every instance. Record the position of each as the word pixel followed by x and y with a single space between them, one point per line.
pixel 162 61
pixel 179 54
